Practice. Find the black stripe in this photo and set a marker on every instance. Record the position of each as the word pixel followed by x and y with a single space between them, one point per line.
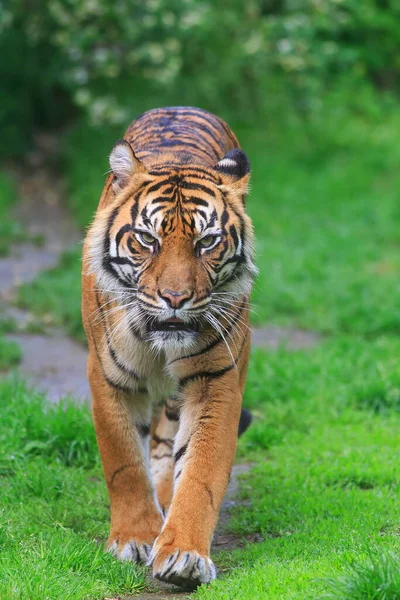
pixel 110 348
pixel 144 429
pixel 197 201
pixel 211 374
pixel 121 260
pixel 216 340
pixel 125 229
pixel 233 232
pixel 118 471
pixel 111 383
pixel 178 455
pixel 158 185
pixel 188 171
pixel 206 374
pixel 187 185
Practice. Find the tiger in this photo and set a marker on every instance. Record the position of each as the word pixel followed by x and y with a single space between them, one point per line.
pixel 168 266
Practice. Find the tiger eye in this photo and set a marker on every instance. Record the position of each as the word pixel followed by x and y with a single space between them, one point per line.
pixel 147 238
pixel 207 241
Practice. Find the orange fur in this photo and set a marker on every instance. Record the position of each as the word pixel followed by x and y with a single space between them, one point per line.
pixel 167 271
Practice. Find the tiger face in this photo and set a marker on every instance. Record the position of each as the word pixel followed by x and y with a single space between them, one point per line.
pixel 174 245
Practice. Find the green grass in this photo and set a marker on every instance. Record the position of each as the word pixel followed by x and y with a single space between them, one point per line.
pixel 10 353
pixel 324 494
pixel 376 578
pixel 10 230
pixel 325 209
pixel 54 509
pixel 325 490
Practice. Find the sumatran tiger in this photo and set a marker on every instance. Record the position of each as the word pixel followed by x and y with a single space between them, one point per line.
pixel 167 272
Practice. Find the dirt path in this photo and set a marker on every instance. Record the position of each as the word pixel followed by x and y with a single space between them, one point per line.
pixel 52 362
pixel 56 364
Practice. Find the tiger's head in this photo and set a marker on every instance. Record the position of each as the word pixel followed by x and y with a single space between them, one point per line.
pixel 174 245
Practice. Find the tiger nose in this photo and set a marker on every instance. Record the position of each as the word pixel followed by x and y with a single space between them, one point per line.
pixel 175 299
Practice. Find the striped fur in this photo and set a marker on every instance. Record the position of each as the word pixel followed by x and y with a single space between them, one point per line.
pixel 167 272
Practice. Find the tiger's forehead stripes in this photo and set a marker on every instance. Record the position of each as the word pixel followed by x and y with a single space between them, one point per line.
pixel 177 201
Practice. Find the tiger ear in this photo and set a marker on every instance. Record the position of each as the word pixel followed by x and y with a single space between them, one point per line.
pixel 234 170
pixel 124 164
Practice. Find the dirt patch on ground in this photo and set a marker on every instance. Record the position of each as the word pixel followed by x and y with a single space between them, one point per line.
pixel 286 337
pixel 54 364
pixel 42 213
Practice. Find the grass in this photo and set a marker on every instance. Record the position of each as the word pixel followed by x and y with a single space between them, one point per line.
pixel 325 491
pixel 54 508
pixel 10 353
pixel 324 495
pixel 10 230
pixel 325 210
pixel 377 578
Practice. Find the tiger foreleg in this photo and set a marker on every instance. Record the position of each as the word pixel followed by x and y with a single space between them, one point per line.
pixel 123 431
pixel 204 451
pixel 162 460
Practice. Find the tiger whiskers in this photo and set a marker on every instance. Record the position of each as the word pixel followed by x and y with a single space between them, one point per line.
pixel 121 321
pixel 218 327
pixel 227 314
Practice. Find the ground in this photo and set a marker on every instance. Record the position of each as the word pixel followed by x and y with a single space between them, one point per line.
pixel 315 511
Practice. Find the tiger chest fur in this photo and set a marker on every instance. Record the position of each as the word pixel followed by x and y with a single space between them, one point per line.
pixel 167 273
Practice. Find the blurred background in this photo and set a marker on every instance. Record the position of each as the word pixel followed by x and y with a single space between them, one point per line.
pixel 312 90
pixel 311 87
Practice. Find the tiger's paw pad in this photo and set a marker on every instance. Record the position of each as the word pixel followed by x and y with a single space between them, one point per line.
pixel 137 552
pixel 185 569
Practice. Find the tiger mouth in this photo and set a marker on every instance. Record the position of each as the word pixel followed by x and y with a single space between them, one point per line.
pixel 171 325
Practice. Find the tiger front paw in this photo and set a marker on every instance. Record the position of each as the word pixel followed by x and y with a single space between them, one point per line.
pixel 133 550
pixel 185 568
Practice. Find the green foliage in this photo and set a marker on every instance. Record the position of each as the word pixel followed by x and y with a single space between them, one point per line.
pixel 64 434
pixel 10 230
pixel 54 505
pixel 377 578
pixel 107 58
pixel 10 353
